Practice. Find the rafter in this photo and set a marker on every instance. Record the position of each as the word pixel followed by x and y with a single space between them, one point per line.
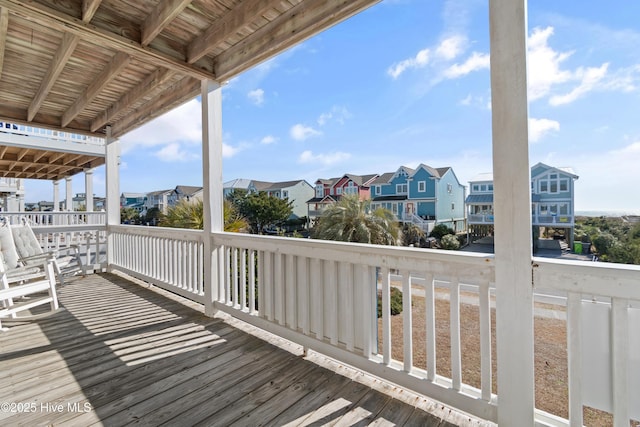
pixel 183 90
pixel 161 16
pixel 4 25
pixel 226 26
pixel 22 153
pixel 68 44
pixel 51 18
pixel 302 20
pixel 150 83
pixel 111 71
pixel 89 8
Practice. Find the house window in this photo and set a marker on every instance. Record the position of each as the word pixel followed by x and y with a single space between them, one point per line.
pixel 422 186
pixel 449 188
pixel 394 208
pixel 319 191
pixel 339 191
pixel 401 188
pixel 453 206
pixel 490 187
pixel 476 187
pixel 483 187
pixel 544 186
pixel 285 194
pixel 564 185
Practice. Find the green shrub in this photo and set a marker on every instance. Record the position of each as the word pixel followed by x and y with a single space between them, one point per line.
pixel 441 230
pixel 395 302
pixel 450 242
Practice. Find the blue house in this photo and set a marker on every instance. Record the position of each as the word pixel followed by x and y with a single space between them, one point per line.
pixel 424 196
pixel 552 201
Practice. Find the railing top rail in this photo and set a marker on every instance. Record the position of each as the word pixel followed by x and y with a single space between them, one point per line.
pixel 469 265
pixel 162 232
pixel 68 228
pixel 594 278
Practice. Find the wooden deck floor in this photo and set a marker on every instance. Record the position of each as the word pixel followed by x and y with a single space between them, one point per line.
pixel 120 354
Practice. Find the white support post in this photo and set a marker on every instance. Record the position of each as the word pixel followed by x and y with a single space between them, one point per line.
pixel 212 187
pixel 56 196
pixel 112 173
pixel 88 190
pixel 512 201
pixel 69 194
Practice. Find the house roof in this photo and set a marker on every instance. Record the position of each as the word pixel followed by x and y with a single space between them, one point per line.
pixel 80 66
pixel 159 192
pixel 271 186
pixel 479 199
pixel 361 180
pixel 383 179
pixel 239 183
pixel 187 190
pixel 133 195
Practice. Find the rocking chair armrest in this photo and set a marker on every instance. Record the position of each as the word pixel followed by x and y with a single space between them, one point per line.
pixel 46 257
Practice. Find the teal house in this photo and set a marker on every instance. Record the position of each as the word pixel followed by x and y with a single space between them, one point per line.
pixel 424 196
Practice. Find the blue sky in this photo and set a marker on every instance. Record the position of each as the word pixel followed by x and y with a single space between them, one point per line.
pixel 407 82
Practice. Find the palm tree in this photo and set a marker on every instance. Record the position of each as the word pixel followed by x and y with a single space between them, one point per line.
pixel 351 220
pixel 190 214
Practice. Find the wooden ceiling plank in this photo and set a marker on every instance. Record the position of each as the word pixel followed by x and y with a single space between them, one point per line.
pixel 156 78
pixel 229 24
pixel 184 89
pixel 69 43
pixel 4 25
pixel 161 16
pixel 3 151
pixel 295 25
pixel 51 18
pixel 111 71
pixel 22 153
pixel 89 8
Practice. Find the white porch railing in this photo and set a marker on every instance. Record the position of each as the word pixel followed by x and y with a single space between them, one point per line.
pixel 56 219
pixel 323 295
pixel 90 240
pixel 49 134
pixel 167 257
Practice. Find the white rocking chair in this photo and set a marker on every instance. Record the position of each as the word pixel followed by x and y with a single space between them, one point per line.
pixel 23 281
pixel 30 252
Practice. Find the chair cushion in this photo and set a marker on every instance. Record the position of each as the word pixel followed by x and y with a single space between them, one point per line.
pixel 26 242
pixel 10 258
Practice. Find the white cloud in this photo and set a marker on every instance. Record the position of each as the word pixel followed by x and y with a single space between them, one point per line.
pixel 256 96
pixel 182 125
pixel 300 132
pixel 451 47
pixel 477 61
pixel 229 151
pixel 324 159
pixel 590 78
pixel 337 113
pixel 538 128
pixel 420 60
pixel 174 153
pixel 269 139
pixel 544 64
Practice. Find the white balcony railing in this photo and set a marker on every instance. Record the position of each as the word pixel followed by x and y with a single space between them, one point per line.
pixel 564 220
pixel 323 295
pixel 18 129
pixel 55 219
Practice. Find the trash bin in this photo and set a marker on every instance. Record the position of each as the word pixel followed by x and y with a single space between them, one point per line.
pixel 577 247
pixel 586 248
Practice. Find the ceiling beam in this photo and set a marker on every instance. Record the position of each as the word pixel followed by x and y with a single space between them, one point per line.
pixel 4 25
pixel 174 96
pixel 157 78
pixel 89 8
pixel 229 24
pixel 52 18
pixel 111 71
pixel 68 44
pixel 161 16
pixel 295 25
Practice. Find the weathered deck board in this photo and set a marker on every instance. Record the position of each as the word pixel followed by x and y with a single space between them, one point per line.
pixel 134 356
